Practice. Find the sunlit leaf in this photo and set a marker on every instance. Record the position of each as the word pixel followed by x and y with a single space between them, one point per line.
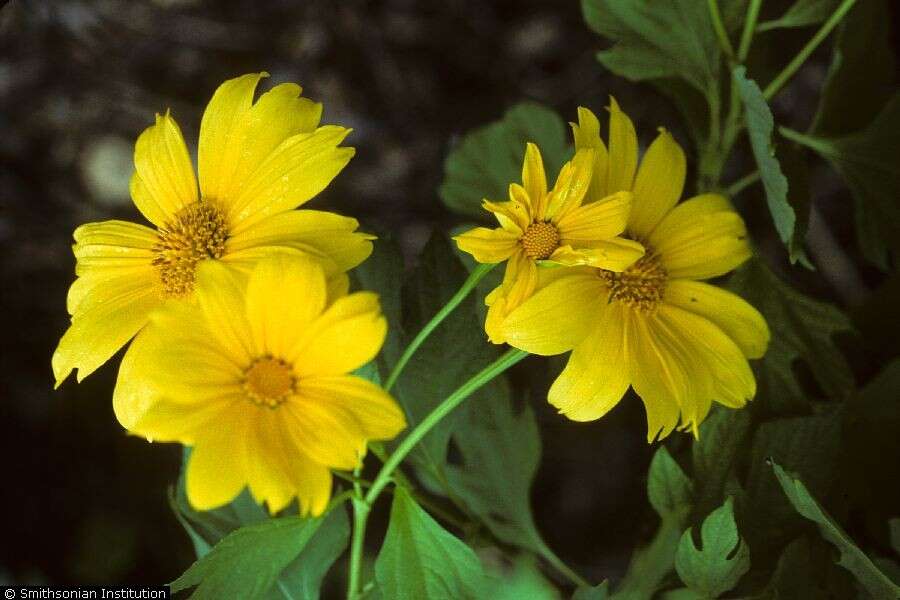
pixel 488 159
pixel 851 557
pixel 420 559
pixel 722 559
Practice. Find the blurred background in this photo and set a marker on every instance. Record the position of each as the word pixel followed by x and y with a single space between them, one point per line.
pixel 79 80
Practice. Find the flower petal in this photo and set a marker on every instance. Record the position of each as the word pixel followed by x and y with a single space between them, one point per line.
pixel 571 185
pixel 600 220
pixel 534 180
pixel 113 245
pixel 285 295
pixel 732 314
pixel 623 150
pixel 220 291
pixel 163 181
pixel 556 318
pixel 488 245
pixel 114 312
pixel 596 376
pixel 347 335
pixel 699 239
pixel 661 373
pixel 299 168
pixel 512 215
pixel 216 468
pixel 616 254
pixel 658 186
pixel 587 135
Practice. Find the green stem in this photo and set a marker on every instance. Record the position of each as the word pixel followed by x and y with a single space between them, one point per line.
pixel 557 563
pixel 749 28
pixel 792 67
pixel 804 140
pixel 360 519
pixel 744 182
pixel 721 33
pixel 507 360
pixel 466 288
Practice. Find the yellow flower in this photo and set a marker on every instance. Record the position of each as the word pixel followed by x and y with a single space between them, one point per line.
pixel 555 227
pixel 679 342
pixel 257 162
pixel 253 375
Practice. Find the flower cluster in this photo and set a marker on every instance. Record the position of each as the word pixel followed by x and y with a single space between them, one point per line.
pixel 242 330
pixel 633 310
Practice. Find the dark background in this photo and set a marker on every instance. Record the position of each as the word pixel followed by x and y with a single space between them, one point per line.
pixel 81 502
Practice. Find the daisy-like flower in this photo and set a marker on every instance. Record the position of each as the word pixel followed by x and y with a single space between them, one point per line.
pixel 253 376
pixel 555 227
pixel 679 342
pixel 257 162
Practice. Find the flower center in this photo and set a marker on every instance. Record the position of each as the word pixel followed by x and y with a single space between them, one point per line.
pixel 269 381
pixel 540 240
pixel 196 233
pixel 639 286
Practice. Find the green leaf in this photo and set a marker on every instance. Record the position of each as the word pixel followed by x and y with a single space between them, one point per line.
pixel 488 159
pixel 524 583
pixel 248 562
pixel 851 557
pixel 802 328
pixel 657 40
pixel 806 569
pixel 420 559
pixel 760 126
pixel 801 14
pixel 869 163
pixel 598 592
pixel 500 453
pixel 722 559
pixel 668 488
pixel 861 78
pixel 722 442
pixel 808 445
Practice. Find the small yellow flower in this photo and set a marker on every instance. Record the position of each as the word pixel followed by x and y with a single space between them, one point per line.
pixel 253 375
pixel 556 227
pixel 257 162
pixel 679 342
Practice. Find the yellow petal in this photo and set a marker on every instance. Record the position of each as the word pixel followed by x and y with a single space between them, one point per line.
pixel 616 254
pixel 113 245
pixel 362 405
pixel 556 318
pixel 658 185
pixel 733 381
pixel 104 322
pixel 163 181
pixel 599 220
pixel 522 206
pixel 256 132
pixel 596 376
pixel 534 180
pixel 571 185
pixel 661 373
pixel 217 154
pixel 299 168
pixel 587 135
pixel 488 245
pixel 731 313
pixel 285 294
pixel 623 150
pixel 699 240
pixel 216 468
pixel 512 215
pixel 317 233
pixel 347 335
pixel 220 293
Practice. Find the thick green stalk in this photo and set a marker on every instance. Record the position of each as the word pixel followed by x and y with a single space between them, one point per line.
pixel 466 288
pixel 793 66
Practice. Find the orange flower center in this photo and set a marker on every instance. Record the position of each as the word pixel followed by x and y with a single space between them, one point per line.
pixel 269 381
pixel 540 240
pixel 639 286
pixel 197 232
